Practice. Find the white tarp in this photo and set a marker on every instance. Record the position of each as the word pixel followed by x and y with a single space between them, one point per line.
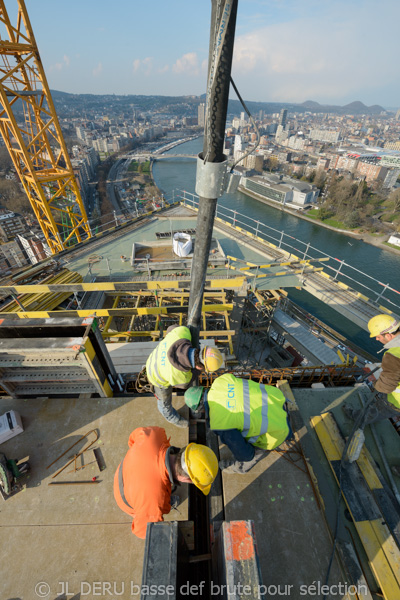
pixel 182 244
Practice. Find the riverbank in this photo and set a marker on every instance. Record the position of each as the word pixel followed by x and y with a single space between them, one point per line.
pixel 368 238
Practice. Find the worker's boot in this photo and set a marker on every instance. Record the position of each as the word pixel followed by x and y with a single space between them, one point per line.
pixel 241 467
pixel 175 501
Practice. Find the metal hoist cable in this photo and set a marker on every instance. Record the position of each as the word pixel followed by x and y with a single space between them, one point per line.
pixel 222 17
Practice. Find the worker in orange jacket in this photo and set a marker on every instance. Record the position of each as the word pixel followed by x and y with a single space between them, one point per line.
pixel 151 469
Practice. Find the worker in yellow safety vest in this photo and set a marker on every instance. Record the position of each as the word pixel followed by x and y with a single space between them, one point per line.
pixel 386 330
pixel 249 417
pixel 174 363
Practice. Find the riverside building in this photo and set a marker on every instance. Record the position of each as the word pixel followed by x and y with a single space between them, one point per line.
pixel 282 190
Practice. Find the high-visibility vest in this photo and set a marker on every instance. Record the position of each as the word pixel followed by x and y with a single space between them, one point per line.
pixel 159 370
pixel 254 409
pixel 394 397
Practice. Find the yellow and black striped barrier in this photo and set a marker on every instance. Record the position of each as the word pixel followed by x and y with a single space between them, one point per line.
pixel 120 286
pixel 279 273
pixel 113 312
pixel 276 264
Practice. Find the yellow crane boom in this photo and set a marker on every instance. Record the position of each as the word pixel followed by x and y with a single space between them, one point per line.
pixel 36 143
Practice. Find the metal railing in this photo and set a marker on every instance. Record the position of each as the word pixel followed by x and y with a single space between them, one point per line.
pixel 339 270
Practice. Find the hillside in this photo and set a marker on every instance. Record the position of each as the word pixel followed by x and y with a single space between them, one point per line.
pixel 74 104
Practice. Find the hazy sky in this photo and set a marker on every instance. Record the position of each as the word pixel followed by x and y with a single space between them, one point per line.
pixel 285 50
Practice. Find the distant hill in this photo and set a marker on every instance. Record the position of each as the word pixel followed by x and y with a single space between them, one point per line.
pixel 187 105
pixel 311 104
pixel 354 108
pixel 360 108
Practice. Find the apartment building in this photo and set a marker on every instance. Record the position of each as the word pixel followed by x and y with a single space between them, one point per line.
pixel 254 162
pixel 11 225
pixel 12 256
pixel 392 145
pixel 35 248
pixel 325 135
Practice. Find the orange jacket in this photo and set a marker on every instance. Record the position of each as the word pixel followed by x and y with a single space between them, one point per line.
pixel 145 481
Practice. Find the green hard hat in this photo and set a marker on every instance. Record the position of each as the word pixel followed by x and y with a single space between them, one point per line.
pixel 193 396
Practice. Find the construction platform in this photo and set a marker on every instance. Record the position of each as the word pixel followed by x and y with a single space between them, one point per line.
pixel 235 242
pixel 160 256
pixel 74 535
pixel 73 541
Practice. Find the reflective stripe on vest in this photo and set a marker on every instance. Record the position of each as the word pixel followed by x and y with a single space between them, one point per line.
pixel 246 408
pixel 246 412
pixel 121 485
pixel 155 366
pixel 264 414
pixel 160 371
pixel 394 397
pixel 256 410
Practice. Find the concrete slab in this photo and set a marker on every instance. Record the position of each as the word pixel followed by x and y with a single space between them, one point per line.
pixel 293 542
pixel 74 535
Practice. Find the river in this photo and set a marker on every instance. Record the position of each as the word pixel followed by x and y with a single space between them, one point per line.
pixel 180 174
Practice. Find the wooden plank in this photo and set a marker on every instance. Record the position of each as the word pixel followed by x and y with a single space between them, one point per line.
pixel 135 348
pixel 122 346
pixel 131 357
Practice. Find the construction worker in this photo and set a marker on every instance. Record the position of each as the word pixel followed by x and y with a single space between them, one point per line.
pixel 174 363
pixel 385 329
pixel 152 468
pixel 250 418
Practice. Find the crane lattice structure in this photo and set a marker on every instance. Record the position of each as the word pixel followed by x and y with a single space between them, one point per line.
pixel 33 137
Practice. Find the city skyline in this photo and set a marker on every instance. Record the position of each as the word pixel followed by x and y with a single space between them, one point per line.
pixel 285 51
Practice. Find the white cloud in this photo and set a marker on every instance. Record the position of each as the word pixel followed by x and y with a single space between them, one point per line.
pixel 97 71
pixel 145 66
pixel 60 65
pixel 164 69
pixel 186 64
pixel 326 56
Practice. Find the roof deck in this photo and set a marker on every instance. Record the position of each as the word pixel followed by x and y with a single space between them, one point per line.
pixel 71 538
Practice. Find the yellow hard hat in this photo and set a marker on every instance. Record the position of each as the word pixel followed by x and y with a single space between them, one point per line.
pixel 211 358
pixel 382 324
pixel 201 464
